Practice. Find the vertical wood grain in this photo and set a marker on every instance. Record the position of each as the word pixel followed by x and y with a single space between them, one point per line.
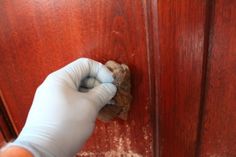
pixel 180 48
pixel 38 37
pixel 219 118
pixel 7 130
pixel 153 44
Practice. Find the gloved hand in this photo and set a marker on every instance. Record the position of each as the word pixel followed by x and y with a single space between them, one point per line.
pixel 62 118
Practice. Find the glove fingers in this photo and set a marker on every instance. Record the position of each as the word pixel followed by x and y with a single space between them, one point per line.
pixel 84 67
pixel 99 71
pixel 102 94
pixel 83 90
pixel 89 83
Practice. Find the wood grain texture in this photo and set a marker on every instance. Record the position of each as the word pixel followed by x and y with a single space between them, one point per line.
pixel 6 128
pixel 180 59
pixel 38 37
pixel 219 121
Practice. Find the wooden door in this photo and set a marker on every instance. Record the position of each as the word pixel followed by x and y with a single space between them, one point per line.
pixel 218 121
pixel 7 130
pixel 195 77
pixel 182 57
pixel 38 37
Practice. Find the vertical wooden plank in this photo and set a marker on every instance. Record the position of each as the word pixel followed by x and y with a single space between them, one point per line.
pixel 153 44
pixel 180 58
pixel 219 121
pixel 37 37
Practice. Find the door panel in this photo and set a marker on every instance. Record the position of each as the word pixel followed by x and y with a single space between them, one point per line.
pixel 182 60
pixel 219 127
pixel 194 53
pixel 179 73
pixel 38 37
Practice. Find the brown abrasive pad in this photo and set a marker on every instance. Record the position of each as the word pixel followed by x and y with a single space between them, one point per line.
pixel 123 97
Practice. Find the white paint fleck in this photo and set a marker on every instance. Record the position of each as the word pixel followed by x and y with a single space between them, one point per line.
pixel 120 143
pixel 111 153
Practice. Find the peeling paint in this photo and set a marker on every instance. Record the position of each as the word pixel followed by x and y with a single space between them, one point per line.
pixel 111 153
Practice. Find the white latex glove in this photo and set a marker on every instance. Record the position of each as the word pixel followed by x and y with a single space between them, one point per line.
pixel 62 118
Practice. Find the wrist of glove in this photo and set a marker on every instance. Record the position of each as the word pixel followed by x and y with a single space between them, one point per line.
pixel 62 117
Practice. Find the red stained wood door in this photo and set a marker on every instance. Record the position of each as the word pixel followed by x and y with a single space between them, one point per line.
pixel 7 130
pixel 194 57
pixel 181 34
pixel 38 37
pixel 182 56
pixel 218 132
pixel 194 53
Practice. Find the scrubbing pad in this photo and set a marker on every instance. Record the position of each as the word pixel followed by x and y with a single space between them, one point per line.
pixel 122 99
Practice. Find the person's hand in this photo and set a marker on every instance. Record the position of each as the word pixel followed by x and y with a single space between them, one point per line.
pixel 62 117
